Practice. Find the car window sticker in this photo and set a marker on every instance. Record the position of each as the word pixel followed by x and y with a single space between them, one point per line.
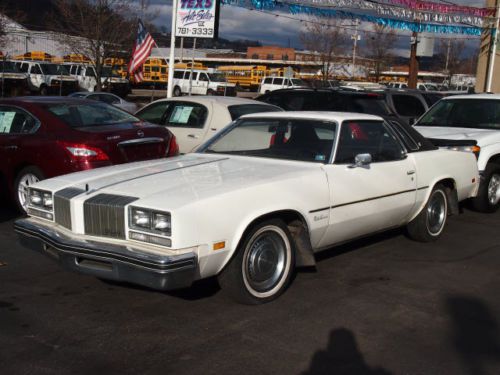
pixel 6 119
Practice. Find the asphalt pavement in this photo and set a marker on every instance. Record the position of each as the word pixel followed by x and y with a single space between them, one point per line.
pixel 382 305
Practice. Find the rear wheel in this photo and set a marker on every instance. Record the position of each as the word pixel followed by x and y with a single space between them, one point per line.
pixel 430 222
pixel 210 92
pixel 27 177
pixel 263 265
pixel 44 90
pixel 177 91
pixel 488 197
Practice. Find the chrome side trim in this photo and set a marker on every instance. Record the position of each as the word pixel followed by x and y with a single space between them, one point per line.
pixel 140 141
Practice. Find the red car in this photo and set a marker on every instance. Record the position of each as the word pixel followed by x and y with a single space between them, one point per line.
pixel 42 137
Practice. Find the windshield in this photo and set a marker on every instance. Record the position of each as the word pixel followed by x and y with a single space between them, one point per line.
pixel 77 115
pixel 298 82
pixel 374 105
pixel 8 67
pixel 464 113
pixel 107 71
pixel 290 139
pixel 216 77
pixel 54 69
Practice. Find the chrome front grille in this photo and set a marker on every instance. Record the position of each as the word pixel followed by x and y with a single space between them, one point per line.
pixel 104 215
pixel 62 207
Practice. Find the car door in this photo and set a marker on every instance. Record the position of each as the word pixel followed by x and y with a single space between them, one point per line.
pixel 372 197
pixel 17 138
pixel 189 123
pixel 36 75
pixel 201 84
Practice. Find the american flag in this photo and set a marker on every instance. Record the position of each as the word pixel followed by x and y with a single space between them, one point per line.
pixel 142 49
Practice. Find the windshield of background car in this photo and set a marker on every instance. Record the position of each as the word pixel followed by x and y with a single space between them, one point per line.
pixel 373 105
pixel 54 69
pixel 217 77
pixel 8 67
pixel 77 115
pixel 464 113
pixel 290 139
pixel 236 111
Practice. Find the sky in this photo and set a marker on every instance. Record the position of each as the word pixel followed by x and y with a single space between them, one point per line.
pixel 239 23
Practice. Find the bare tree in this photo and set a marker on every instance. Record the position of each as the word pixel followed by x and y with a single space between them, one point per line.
pixel 97 29
pixel 327 38
pixel 3 32
pixel 379 43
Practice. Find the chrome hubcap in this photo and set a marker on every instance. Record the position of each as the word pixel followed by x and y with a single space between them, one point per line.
pixel 22 191
pixel 266 261
pixel 436 212
pixel 494 189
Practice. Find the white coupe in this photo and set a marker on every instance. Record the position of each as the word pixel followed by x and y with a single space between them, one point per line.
pixel 257 201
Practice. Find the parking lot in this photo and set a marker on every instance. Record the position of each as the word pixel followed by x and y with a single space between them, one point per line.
pixel 382 305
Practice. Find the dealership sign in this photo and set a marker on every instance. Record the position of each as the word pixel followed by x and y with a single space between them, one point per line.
pixel 197 18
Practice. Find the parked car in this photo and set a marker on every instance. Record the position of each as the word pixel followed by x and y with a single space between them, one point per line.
pixel 258 200
pixel 201 83
pixel 111 80
pixel 12 81
pixel 193 120
pixel 475 118
pixel 48 78
pixel 330 100
pixel 43 137
pixel 269 84
pixel 108 98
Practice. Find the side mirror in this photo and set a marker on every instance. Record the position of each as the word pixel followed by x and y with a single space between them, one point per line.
pixel 361 160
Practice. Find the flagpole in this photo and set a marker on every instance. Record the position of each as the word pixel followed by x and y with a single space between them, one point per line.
pixel 171 60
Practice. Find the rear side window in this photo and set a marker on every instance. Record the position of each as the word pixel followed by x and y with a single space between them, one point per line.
pixel 373 105
pixel 186 115
pixel 237 111
pixel 77 115
pixel 268 81
pixel 278 81
pixel 407 105
pixel 178 74
pixel 154 113
pixel 16 121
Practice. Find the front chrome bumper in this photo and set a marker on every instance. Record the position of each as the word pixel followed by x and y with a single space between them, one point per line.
pixel 108 261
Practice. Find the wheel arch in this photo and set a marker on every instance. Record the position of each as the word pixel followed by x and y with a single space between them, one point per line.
pixel 451 193
pixel 298 227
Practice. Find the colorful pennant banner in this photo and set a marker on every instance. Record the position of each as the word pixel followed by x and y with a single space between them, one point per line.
pixel 444 8
pixel 407 18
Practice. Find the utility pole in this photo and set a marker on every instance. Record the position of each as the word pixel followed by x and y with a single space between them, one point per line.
pixel 171 60
pixel 447 55
pixel 413 73
pixel 356 37
pixel 493 54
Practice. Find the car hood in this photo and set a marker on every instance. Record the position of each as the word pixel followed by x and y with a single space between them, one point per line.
pixel 482 136
pixel 180 180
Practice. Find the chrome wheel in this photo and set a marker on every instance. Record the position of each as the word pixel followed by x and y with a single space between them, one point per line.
pixel 494 189
pixel 266 261
pixel 25 182
pixel 437 210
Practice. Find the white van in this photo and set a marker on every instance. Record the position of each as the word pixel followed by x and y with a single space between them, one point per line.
pixel 275 83
pixel 110 80
pixel 48 78
pixel 202 83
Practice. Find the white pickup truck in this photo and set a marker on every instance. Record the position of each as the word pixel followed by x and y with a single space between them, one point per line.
pixel 473 118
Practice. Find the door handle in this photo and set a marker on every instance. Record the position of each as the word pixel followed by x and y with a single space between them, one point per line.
pixel 409 173
pixel 193 136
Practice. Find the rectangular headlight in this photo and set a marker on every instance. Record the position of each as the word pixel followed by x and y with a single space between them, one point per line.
pixel 40 199
pixel 150 221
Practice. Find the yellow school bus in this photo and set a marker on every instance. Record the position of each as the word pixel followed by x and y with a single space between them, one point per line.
pixel 76 58
pixel 35 56
pixel 118 64
pixel 246 76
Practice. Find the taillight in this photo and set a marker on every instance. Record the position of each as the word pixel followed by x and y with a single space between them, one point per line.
pixel 173 147
pixel 83 152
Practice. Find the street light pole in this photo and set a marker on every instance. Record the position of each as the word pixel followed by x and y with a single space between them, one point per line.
pixel 356 37
pixel 171 60
pixel 493 54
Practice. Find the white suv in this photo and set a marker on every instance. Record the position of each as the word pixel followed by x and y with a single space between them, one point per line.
pixel 202 83
pixel 456 119
pixel 86 76
pixel 48 78
pixel 269 84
